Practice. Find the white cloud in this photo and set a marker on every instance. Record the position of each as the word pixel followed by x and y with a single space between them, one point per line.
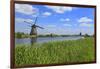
pixel 86 25
pixel 59 9
pixel 47 14
pixel 85 20
pixel 65 30
pixel 25 9
pixel 66 19
pixel 21 20
pixel 69 25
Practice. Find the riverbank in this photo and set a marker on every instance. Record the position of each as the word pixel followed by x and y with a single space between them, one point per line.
pixel 81 50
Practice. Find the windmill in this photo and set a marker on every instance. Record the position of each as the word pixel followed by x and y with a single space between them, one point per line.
pixel 34 27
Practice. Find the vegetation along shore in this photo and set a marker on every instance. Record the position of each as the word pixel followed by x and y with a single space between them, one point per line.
pixel 81 50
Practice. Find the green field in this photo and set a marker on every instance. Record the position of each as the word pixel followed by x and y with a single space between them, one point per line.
pixel 81 50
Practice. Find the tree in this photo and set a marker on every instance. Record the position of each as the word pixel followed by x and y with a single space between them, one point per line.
pixel 51 35
pixel 86 35
pixel 19 34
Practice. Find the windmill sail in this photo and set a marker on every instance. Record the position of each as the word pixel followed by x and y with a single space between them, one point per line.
pixel 39 27
pixel 35 20
pixel 28 22
pixel 34 27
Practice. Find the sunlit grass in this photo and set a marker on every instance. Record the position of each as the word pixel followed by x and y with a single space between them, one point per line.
pixel 81 50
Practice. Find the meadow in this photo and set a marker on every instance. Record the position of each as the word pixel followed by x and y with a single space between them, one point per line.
pixel 55 52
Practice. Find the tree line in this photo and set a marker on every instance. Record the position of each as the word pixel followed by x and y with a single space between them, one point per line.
pixel 26 35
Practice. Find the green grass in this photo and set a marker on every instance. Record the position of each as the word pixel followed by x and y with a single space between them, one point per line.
pixel 81 50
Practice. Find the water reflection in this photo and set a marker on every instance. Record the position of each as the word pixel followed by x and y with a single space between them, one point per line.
pixel 33 40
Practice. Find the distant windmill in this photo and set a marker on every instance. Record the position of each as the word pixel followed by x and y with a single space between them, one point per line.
pixel 34 27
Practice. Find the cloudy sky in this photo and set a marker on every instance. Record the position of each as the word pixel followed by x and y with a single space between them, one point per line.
pixel 54 19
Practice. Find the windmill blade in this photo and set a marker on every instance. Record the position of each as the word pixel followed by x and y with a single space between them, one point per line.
pixel 35 20
pixel 39 27
pixel 28 22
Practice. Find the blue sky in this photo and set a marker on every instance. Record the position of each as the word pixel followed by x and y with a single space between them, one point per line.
pixel 54 19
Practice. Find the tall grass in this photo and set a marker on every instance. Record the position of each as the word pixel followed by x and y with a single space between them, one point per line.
pixel 81 50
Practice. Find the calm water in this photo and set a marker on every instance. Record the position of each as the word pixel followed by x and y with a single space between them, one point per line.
pixel 43 39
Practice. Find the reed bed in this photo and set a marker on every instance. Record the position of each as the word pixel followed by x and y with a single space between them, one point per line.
pixel 71 51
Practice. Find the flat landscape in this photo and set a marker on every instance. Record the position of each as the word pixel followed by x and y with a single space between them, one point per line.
pixel 55 52
pixel 53 34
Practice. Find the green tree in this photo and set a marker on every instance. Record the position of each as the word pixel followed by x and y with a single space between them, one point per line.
pixel 86 35
pixel 18 35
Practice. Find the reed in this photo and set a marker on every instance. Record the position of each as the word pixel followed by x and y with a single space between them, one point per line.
pixel 70 51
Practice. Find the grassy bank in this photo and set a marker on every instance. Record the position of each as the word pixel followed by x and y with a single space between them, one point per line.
pixel 81 50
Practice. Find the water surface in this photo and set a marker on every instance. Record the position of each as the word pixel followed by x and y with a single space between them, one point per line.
pixel 43 39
